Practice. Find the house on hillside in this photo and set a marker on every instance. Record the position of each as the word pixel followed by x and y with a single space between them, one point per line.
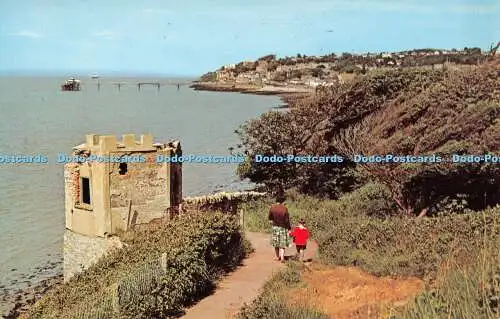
pixel 262 66
pixel 225 75
pixel 313 82
pixel 229 67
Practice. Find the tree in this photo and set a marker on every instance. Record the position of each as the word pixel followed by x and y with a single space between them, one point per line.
pixel 317 72
pixel 209 77
pixel 279 133
pixel 271 134
pixel 269 57
pixel 416 127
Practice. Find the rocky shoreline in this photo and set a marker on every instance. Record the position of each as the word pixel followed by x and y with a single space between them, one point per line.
pixel 286 94
pixel 249 89
pixel 16 301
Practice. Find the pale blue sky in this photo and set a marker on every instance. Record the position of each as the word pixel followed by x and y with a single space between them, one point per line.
pixel 191 37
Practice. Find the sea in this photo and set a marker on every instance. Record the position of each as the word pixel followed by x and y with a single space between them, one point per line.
pixel 37 118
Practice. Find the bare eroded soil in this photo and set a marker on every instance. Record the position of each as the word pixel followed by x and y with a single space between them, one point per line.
pixel 347 292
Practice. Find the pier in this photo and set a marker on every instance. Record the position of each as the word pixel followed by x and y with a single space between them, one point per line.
pixel 139 85
pixel 157 84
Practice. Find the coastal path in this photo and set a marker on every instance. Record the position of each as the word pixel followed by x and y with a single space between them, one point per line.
pixel 244 284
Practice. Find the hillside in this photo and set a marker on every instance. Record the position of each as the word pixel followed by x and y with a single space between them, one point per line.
pixel 305 73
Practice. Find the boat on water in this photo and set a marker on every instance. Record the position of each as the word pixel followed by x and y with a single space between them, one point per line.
pixel 94 76
pixel 71 84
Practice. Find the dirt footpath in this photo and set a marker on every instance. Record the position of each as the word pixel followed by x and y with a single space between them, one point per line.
pixel 242 285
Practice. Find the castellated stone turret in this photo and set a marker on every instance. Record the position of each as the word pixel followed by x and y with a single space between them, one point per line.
pixel 112 186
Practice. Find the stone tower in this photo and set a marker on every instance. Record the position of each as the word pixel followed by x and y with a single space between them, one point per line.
pixel 112 186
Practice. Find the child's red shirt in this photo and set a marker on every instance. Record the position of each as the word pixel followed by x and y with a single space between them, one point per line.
pixel 300 235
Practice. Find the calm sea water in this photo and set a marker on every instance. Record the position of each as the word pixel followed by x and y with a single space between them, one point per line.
pixel 37 118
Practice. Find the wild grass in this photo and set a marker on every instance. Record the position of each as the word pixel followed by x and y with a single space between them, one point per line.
pixel 272 304
pixel 462 291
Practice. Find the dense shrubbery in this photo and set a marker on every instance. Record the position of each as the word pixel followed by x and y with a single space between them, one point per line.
pixel 199 248
pixel 401 246
pixel 457 115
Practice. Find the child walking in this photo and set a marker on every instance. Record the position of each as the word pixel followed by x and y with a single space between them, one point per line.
pixel 300 236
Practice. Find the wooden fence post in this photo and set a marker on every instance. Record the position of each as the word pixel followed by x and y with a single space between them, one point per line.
pixel 242 219
pixel 129 214
pixel 115 293
pixel 163 262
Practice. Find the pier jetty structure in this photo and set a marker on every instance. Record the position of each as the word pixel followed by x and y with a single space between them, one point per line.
pixel 141 85
pixel 104 196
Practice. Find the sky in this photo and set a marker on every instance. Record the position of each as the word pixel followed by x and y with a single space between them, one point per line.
pixel 191 37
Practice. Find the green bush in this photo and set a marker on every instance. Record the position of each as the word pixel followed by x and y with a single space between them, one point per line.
pixel 199 249
pixel 372 199
pixel 209 77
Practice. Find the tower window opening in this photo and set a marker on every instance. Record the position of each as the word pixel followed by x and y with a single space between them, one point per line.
pixel 86 190
pixel 122 169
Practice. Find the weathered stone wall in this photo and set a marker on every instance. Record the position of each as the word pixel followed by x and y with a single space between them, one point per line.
pixel 225 206
pixel 81 251
pixel 141 193
pixel 222 201
pixel 72 181
pixel 71 190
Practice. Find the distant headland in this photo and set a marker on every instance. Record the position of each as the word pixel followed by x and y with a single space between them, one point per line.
pixel 305 74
